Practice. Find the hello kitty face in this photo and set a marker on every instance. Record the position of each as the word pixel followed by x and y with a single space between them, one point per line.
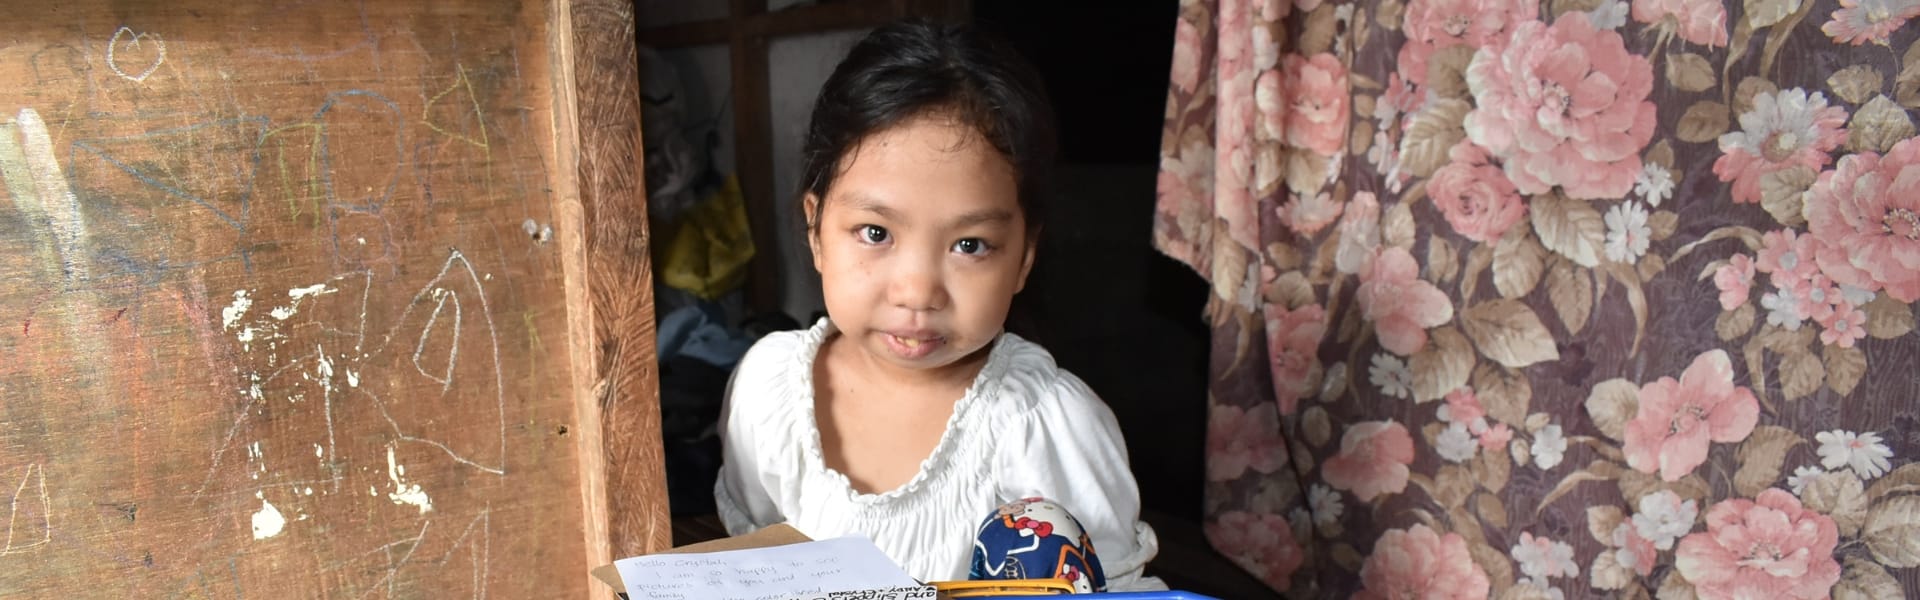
pixel 1042 517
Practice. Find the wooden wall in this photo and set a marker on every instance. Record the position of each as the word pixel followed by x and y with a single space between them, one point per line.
pixel 323 299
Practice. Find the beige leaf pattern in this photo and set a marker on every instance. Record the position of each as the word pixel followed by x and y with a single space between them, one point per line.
pixel 1601 520
pixel 1431 134
pixel 1840 496
pixel 1733 324
pixel 1892 532
pixel 1569 227
pixel 1856 84
pixel 1845 367
pixel 1509 333
pixel 1877 126
pixel 1703 122
pixel 1864 580
pixel 1571 291
pixel 1518 261
pixel 1443 366
pixel 1783 193
pixel 1689 72
pixel 1760 458
pixel 1611 404
pixel 1506 393
pixel 1888 318
pixel 1800 374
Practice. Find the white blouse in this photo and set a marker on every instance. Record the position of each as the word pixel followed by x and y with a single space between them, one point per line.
pixel 1024 428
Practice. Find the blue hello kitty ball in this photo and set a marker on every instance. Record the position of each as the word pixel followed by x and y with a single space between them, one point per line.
pixel 1035 538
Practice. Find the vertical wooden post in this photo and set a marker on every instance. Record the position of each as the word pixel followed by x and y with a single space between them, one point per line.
pixel 753 150
pixel 598 155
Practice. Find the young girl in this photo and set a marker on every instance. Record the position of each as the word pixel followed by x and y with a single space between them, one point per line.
pixel 908 414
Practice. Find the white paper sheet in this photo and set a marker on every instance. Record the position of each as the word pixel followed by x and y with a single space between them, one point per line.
pixel 807 568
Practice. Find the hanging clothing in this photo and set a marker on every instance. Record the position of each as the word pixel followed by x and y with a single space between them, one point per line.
pixel 1539 299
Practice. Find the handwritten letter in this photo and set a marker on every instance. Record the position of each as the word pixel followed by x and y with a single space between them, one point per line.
pixel 808 568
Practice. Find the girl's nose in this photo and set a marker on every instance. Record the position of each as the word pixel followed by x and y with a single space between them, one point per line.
pixel 917 285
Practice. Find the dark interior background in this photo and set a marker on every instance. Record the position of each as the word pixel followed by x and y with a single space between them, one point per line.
pixel 1111 309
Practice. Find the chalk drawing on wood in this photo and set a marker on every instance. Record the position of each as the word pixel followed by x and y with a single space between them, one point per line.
pixel 134 56
pixel 29 514
pixel 455 273
pixel 461 117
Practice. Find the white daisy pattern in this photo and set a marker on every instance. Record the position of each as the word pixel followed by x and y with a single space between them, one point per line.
pixel 1655 184
pixel 1391 375
pixel 1326 505
pixel 1782 310
pixel 1803 476
pixel 1664 517
pixel 1541 558
pixel 1627 232
pixel 1455 443
pixel 1549 447
pixel 1865 453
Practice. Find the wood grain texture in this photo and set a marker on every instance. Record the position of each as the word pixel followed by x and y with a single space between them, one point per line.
pixel 796 20
pixel 619 282
pixel 284 306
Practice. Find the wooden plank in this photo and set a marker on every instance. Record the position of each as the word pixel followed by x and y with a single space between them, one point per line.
pixel 615 371
pixel 756 22
pixel 285 309
pixel 753 154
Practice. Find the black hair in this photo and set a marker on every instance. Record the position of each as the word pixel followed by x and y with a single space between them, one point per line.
pixel 913 68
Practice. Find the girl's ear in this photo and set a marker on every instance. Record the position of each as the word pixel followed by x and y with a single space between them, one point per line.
pixel 810 207
pixel 1026 261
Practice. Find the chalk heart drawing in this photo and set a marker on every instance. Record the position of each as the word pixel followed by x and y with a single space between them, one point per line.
pixel 142 51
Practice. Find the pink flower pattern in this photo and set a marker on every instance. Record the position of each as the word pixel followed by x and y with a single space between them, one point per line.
pixel 1263 544
pixel 1435 25
pixel 1316 110
pixel 1678 419
pixel 1373 460
pixel 1768 547
pixel 1400 305
pixel 1292 343
pixel 1784 130
pixel 1563 105
pixel 1244 440
pixel 1475 196
pixel 1865 214
pixel 1421 564
pixel 1702 22
pixel 1735 281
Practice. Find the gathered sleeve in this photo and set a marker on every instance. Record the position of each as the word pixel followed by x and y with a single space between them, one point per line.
pixel 1066 446
pixel 751 439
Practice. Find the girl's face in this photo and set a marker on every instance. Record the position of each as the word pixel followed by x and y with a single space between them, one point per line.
pixel 921 244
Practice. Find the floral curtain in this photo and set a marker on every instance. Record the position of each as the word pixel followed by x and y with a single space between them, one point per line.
pixel 1556 298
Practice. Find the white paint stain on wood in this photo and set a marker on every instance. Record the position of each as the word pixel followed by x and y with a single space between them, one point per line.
pixel 233 312
pixel 267 522
pixel 403 492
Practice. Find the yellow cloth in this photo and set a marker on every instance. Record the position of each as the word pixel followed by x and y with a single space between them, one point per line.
pixel 707 252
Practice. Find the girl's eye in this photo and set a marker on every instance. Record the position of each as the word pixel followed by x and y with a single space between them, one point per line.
pixel 972 247
pixel 873 234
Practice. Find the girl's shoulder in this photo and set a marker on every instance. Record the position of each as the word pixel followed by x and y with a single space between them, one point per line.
pixel 1031 380
pixel 777 368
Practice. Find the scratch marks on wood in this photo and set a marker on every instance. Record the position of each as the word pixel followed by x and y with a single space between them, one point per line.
pixel 134 56
pixel 29 514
